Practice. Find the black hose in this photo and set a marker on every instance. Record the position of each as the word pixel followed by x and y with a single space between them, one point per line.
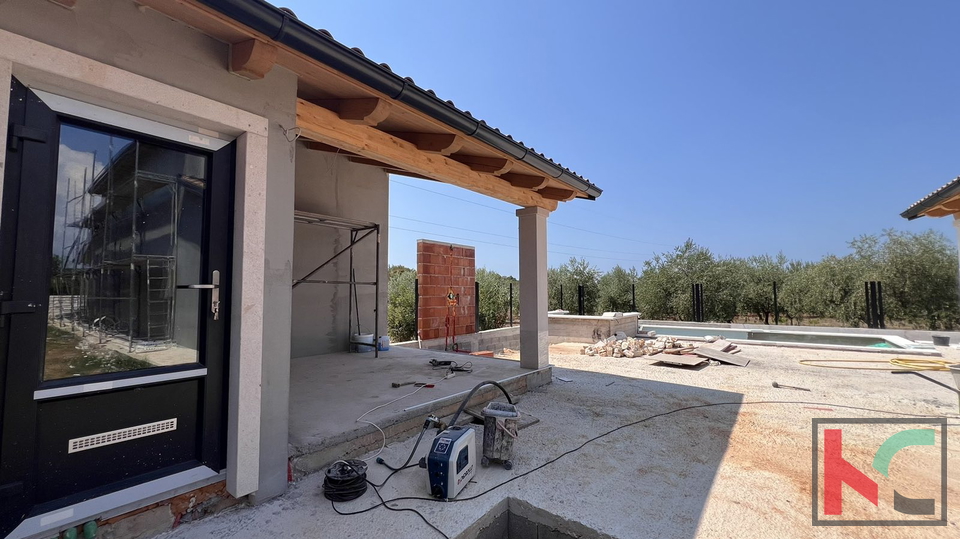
pixel 474 390
pixel 409 458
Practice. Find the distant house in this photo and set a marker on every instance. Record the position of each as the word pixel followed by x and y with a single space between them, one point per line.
pixel 172 168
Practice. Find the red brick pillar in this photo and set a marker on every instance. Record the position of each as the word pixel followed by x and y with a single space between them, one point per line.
pixel 443 268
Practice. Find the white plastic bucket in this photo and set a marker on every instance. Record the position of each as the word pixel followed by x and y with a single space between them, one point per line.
pixel 363 341
pixel 384 343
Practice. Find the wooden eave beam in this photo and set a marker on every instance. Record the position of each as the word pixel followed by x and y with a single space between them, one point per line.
pixel 524 181
pixel 322 125
pixel 490 165
pixel 252 59
pixel 555 193
pixel 219 26
pixel 361 111
pixel 938 212
pixel 441 143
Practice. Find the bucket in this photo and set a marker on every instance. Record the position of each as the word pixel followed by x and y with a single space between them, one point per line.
pixel 941 340
pixel 384 343
pixel 363 341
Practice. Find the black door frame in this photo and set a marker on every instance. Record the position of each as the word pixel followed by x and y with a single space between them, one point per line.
pixel 32 153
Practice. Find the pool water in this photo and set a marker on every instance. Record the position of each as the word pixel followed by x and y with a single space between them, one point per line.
pixel 781 336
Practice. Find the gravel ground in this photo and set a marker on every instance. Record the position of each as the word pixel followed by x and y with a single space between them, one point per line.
pixel 738 469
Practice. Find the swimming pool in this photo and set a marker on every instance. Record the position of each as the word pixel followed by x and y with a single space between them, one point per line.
pixel 813 339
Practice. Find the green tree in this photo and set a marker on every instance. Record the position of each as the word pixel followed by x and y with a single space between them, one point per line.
pixel 616 289
pixel 577 271
pixel 401 318
pixel 494 307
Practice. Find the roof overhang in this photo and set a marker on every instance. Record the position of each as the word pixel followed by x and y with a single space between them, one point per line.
pixel 351 105
pixel 940 203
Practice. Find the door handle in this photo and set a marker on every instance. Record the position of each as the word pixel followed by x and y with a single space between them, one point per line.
pixel 214 288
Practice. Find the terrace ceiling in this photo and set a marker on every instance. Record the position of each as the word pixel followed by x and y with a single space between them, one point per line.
pixel 336 113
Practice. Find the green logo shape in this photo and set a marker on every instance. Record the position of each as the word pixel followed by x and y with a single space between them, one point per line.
pixel 893 444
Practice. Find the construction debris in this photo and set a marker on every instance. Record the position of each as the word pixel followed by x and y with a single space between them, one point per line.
pixel 717 349
pixel 622 346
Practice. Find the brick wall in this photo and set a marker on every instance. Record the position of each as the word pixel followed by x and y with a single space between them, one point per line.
pixel 440 268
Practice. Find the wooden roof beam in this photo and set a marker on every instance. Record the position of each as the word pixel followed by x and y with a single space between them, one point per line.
pixel 555 193
pixel 387 168
pixel 252 59
pixel 360 111
pixel 490 165
pixel 524 181
pixel 938 212
pixel 441 143
pixel 322 125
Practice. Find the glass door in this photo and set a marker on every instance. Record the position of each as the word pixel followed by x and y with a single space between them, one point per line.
pixel 112 330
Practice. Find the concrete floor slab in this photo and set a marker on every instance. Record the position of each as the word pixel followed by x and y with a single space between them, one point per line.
pixel 741 469
pixel 329 392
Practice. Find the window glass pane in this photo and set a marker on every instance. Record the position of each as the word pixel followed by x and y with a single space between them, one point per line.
pixel 127 231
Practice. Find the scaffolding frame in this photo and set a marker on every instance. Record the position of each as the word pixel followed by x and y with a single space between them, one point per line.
pixel 359 230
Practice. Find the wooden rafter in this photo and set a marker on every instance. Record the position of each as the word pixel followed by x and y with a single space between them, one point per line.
pixel 252 59
pixel 555 193
pixel 525 181
pixel 361 111
pixel 441 143
pixel 490 165
pixel 322 125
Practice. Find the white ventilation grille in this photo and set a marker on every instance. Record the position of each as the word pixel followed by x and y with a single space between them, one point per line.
pixel 122 435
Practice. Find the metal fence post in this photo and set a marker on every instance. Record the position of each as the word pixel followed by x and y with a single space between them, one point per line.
pixel 633 294
pixel 511 304
pixel 580 299
pixel 561 297
pixel 776 308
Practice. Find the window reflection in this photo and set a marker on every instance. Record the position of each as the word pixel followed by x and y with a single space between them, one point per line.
pixel 128 229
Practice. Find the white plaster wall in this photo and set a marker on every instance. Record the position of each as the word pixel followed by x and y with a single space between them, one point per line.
pixel 121 34
pixel 331 185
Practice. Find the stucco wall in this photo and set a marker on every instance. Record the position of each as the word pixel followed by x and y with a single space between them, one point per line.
pixel 120 34
pixel 332 185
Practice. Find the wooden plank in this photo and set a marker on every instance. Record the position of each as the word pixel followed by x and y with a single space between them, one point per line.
pixel 361 111
pixel 555 193
pixel 688 361
pixel 323 125
pixel 490 165
pixel 252 59
pixel 723 357
pixel 722 345
pixel 526 181
pixel 441 143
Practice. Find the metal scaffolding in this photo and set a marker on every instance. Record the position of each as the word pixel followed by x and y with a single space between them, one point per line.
pixel 359 230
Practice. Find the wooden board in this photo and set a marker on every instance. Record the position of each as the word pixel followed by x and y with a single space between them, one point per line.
pixel 722 357
pixel 721 345
pixel 685 360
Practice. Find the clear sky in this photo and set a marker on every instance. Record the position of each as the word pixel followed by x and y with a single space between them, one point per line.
pixel 750 126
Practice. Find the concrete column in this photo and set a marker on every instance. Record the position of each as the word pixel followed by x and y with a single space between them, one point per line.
pixel 534 334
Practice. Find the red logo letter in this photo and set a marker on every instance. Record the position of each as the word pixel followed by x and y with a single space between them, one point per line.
pixel 837 471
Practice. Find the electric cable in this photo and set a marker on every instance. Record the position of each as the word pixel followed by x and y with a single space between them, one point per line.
pixel 383 435
pixel 386 503
pixel 406 464
pixel 351 488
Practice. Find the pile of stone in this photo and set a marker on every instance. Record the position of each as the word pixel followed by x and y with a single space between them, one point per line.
pixel 620 345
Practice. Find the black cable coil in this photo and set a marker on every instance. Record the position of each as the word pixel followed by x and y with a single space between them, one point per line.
pixel 346 480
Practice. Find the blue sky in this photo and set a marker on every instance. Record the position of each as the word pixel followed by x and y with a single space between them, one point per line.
pixel 749 126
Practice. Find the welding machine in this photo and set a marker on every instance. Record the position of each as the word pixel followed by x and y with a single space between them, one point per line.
pixel 451 462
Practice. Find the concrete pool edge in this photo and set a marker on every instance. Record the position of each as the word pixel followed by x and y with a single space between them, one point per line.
pixel 900 344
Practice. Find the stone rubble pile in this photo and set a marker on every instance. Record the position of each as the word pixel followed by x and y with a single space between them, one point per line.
pixel 620 345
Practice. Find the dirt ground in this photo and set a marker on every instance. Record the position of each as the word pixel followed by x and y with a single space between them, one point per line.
pixel 738 469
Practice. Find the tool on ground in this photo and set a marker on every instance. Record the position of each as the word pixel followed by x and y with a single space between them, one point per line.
pixel 501 424
pixel 440 363
pixel 451 463
pixel 781 386
pixel 422 384
pixel 452 459
pixel 401 384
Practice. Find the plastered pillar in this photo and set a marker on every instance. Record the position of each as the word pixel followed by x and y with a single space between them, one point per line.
pixel 534 334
